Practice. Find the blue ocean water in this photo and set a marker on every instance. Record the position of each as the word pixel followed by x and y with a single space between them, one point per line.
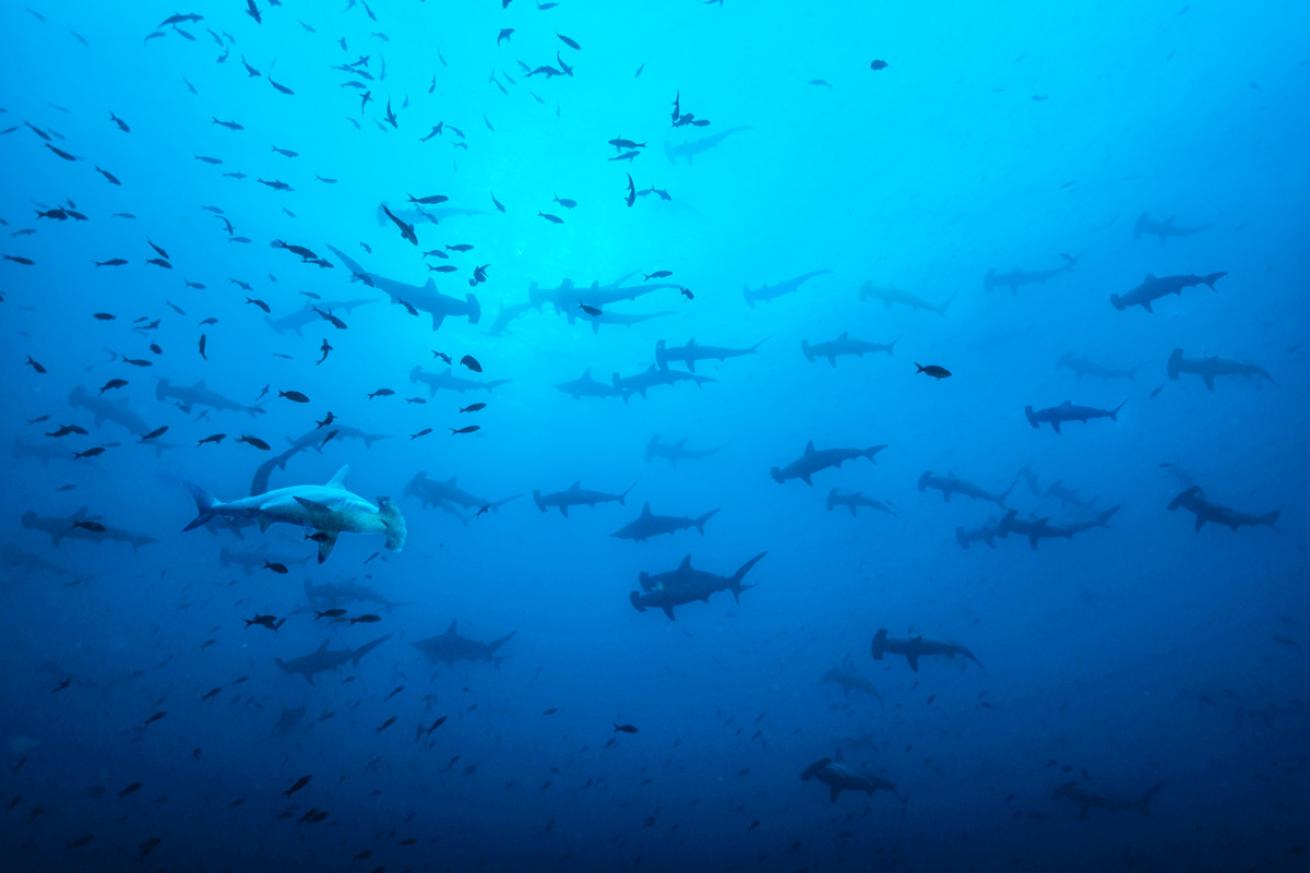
pixel 943 366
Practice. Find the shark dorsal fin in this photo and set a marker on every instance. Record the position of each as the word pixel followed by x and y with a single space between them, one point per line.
pixel 686 563
pixel 839 756
pixel 645 510
pixel 586 374
pixel 429 285
pixel 201 384
pixel 809 447
pixel 1150 277
pixel 843 335
pixel 1066 403
pixel 451 481
pixel 691 342
pixel 338 479
pixel 450 631
pixel 323 646
pixel 576 486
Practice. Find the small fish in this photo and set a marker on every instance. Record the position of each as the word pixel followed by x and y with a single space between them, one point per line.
pixel 214 438
pixel 571 43
pixel 89 453
pixel 155 434
pixel 293 396
pixel 366 618
pixel 625 728
pixel 429 200
pixel 381 392
pixel 877 64
pixel 932 370
pixel 329 613
pixel 473 407
pixel 658 274
pixel 254 441
pixel 472 363
pixel 686 292
pixel 553 219
pixel 280 569
pixel 386 724
pixel 500 207
pixel 296 786
pixel 424 432
pixel 112 384
pixel 36 365
pixel 442 355
pixel 468 428
pixel 593 311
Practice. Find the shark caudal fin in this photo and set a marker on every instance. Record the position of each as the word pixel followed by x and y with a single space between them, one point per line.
pixel 1184 497
pixel 1032 419
pixel 1144 802
pixel 1175 358
pixel 1271 519
pixel 734 584
pixel 700 522
pixel 205 507
pixel 879 644
pixel 496 644
pixel 1103 520
pixel 635 599
pixel 475 309
pixel 805 350
pixel 366 648
pixel 1212 278
pixel 1117 302
pixel 1114 413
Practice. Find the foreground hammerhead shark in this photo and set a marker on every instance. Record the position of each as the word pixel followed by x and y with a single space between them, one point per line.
pixel 328 509
pixel 914 648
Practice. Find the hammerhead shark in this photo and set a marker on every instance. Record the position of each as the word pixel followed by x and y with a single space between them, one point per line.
pixel 323 659
pixel 328 509
pixel 914 648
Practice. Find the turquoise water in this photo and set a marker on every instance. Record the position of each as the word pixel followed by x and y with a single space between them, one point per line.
pixel 1071 663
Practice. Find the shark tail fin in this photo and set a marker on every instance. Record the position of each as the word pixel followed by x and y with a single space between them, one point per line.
pixel 1103 520
pixel 475 309
pixel 496 644
pixel 805 350
pixel 205 507
pixel 366 648
pixel 1212 278
pixel 1032 419
pixel 735 583
pixel 1114 413
pixel 1144 802
pixel 1271 519
pixel 635 599
pixel 700 522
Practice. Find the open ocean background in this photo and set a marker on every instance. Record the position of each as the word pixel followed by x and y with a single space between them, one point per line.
pixel 1158 669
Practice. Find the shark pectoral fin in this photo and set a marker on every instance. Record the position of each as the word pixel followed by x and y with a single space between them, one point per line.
pixel 668 610
pixel 806 479
pixel 325 548
pixel 1200 521
pixel 913 659
pixel 564 510
pixel 264 522
pixel 1208 378
pixel 834 792
pixel 1055 425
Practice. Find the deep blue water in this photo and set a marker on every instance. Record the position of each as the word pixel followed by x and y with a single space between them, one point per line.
pixel 1131 691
